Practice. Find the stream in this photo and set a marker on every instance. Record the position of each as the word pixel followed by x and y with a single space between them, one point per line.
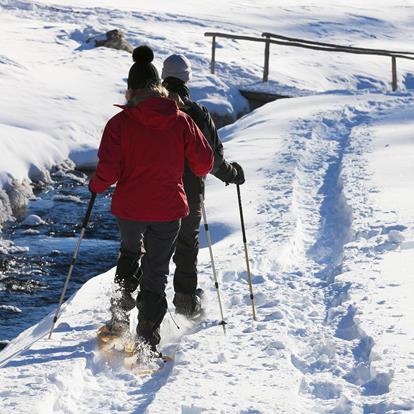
pixel 32 277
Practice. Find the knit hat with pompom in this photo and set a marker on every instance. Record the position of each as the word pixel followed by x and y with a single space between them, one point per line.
pixel 142 73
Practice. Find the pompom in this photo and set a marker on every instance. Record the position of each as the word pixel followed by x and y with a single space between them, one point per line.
pixel 143 54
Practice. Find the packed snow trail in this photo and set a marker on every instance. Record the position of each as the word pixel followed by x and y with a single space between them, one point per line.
pixel 327 205
pixel 306 199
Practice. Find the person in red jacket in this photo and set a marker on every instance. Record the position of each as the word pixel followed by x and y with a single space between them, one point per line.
pixel 143 150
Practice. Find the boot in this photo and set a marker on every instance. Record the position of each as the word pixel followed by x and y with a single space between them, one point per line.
pixel 148 335
pixel 151 311
pixel 188 305
pixel 127 277
pixel 121 304
pixel 128 273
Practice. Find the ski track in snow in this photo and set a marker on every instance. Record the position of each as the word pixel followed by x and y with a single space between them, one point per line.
pixel 315 222
pixel 332 350
pixel 307 336
pixel 326 345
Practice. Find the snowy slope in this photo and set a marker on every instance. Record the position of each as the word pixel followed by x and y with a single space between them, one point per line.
pixel 326 235
pixel 328 209
pixel 58 92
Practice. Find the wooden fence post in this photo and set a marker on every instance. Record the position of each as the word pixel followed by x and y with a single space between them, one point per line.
pixel 394 73
pixel 213 55
pixel 266 60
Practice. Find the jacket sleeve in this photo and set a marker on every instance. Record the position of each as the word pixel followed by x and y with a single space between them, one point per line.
pixel 198 152
pixel 221 168
pixel 109 154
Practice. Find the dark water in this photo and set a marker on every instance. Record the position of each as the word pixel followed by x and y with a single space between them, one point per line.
pixel 31 282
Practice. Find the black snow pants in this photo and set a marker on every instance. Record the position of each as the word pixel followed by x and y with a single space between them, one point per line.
pixel 154 244
pixel 186 251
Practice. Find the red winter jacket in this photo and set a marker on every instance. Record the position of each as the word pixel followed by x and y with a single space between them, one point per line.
pixel 143 150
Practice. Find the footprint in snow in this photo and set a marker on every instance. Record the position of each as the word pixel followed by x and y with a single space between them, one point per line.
pixel 260 299
pixel 275 316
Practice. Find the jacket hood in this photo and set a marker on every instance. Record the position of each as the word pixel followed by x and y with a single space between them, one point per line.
pixel 154 112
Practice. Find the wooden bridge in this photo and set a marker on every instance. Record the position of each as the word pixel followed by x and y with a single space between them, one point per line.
pixel 259 98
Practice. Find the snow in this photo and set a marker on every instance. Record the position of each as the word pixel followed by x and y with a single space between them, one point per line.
pixel 8 247
pixel 316 337
pixel 327 205
pixel 68 199
pixel 8 308
pixel 62 116
pixel 33 221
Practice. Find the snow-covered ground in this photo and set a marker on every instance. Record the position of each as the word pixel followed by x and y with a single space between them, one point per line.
pixel 331 244
pixel 58 92
pixel 327 202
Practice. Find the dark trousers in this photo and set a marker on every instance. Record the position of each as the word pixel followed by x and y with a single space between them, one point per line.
pixel 154 243
pixel 186 251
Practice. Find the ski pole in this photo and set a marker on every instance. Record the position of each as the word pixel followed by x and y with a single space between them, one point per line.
pixel 74 257
pixel 216 284
pixel 249 276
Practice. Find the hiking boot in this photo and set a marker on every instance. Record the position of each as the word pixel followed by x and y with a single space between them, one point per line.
pixel 128 273
pixel 121 304
pixel 148 335
pixel 122 301
pixel 152 308
pixel 118 326
pixel 187 305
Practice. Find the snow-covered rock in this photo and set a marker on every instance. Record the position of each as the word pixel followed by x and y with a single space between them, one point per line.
pixel 33 221
pixel 10 308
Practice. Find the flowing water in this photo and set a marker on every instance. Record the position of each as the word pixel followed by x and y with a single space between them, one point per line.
pixel 32 278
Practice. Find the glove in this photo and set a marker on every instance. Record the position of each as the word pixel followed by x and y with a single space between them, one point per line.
pixel 238 174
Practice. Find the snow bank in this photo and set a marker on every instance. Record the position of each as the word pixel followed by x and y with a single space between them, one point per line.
pixel 331 290
pixel 327 204
pixel 222 100
pixel 382 253
pixel 72 87
pixel 62 113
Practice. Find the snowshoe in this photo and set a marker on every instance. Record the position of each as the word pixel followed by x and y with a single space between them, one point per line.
pixel 145 361
pixel 122 303
pixel 115 337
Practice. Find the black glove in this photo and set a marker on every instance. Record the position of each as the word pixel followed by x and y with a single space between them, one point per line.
pixel 238 174
pixel 230 173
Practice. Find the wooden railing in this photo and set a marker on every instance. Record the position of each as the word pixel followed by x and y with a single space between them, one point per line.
pixel 229 36
pixel 271 38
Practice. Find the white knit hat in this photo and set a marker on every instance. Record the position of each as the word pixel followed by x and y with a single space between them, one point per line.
pixel 177 66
